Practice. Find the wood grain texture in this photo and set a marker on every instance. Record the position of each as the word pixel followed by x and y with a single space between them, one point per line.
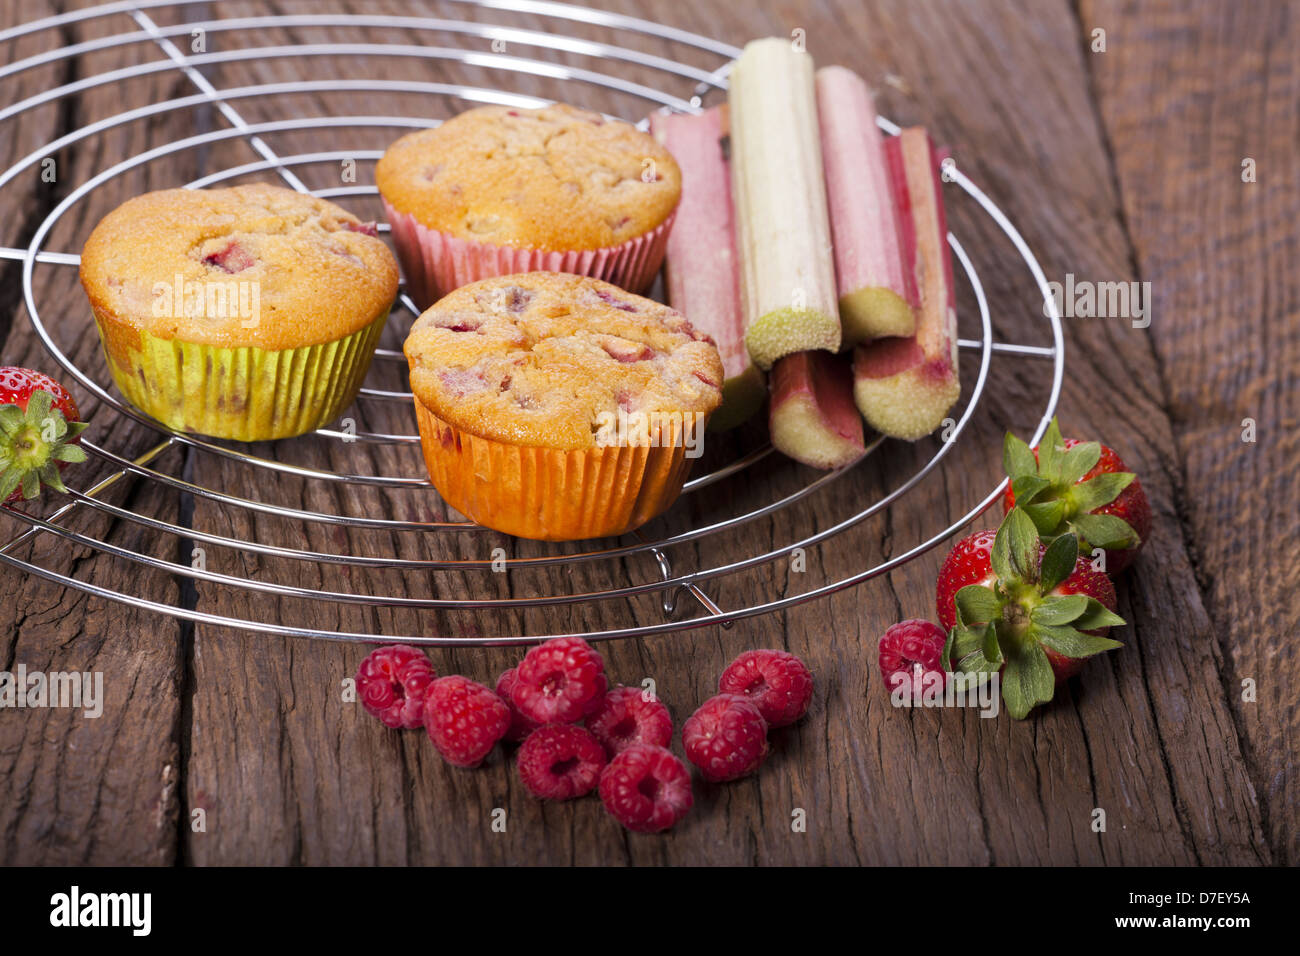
pixel 1220 106
pixel 78 789
pixel 286 772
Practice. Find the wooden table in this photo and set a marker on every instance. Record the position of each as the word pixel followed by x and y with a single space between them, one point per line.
pixel 1119 165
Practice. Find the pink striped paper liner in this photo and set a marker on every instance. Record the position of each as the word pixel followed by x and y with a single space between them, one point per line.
pixel 435 263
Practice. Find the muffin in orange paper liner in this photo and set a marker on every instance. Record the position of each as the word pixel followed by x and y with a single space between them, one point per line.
pixel 559 407
pixel 249 313
pixel 499 191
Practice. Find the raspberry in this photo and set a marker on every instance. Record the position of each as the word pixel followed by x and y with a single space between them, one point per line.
pixel 646 788
pixel 775 682
pixel 910 653
pixel 464 719
pixel 520 726
pixel 726 738
pixel 559 682
pixel 392 682
pixel 625 717
pixel 560 762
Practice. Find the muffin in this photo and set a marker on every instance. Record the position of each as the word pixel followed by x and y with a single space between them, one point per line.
pixel 558 407
pixel 496 191
pixel 248 313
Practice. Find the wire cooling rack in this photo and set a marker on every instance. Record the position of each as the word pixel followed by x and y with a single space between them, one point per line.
pixel 681 87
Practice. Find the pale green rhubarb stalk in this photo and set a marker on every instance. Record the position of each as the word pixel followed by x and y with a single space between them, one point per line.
pixel 904 387
pixel 812 417
pixel 877 294
pixel 787 276
pixel 700 267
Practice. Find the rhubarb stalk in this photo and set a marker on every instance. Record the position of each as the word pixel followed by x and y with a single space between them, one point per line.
pixel 812 417
pixel 876 293
pixel 904 387
pixel 783 233
pixel 701 268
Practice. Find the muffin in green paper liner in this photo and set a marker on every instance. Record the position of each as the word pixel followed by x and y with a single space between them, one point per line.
pixel 249 313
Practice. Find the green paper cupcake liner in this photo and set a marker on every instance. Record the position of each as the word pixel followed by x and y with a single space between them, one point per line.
pixel 243 394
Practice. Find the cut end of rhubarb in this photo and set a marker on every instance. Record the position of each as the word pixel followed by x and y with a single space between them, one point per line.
pixel 873 313
pixel 813 419
pixel 773 335
pixel 899 392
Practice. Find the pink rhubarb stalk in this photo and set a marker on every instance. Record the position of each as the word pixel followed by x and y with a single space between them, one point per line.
pixel 812 417
pixel 701 268
pixel 904 387
pixel 877 294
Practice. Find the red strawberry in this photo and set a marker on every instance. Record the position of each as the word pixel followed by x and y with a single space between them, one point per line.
pixel 39 433
pixel 1079 487
pixel 969 562
pixel 1029 612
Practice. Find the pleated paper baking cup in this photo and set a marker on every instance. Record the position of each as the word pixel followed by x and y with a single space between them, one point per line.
pixel 244 394
pixel 435 263
pixel 549 494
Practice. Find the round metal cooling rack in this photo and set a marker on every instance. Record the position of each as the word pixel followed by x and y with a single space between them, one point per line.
pixel 693 87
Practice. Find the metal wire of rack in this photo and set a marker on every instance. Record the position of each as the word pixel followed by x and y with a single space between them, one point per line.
pixel 670 585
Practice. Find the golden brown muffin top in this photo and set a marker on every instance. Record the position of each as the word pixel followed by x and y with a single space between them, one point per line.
pixel 550 359
pixel 253 265
pixel 556 178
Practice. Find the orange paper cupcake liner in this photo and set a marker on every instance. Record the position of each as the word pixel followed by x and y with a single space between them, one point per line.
pixel 435 263
pixel 549 494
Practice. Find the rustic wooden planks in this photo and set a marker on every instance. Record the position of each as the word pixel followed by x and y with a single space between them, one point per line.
pixel 286 772
pixel 74 789
pixel 1194 103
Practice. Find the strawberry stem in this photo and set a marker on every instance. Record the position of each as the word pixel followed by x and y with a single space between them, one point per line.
pixel 34 443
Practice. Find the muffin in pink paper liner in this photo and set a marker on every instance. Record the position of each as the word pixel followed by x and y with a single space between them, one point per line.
pixel 500 191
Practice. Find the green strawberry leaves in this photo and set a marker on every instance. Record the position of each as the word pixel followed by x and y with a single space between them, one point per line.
pixel 1078 461
pixel 9 480
pixel 1104 531
pixel 1028 487
pixel 1054 496
pixel 977 604
pixel 1058 562
pixel 1015 548
pixel 973 650
pixel 11 419
pixel 1059 622
pixel 1092 494
pixel 1059 610
pixel 32 443
pixel 1005 628
pixel 1050 451
pixel 1018 459
pixel 1097 616
pixel 1027 678
pixel 1073 643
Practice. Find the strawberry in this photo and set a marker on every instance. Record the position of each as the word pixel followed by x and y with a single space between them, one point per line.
pixel 39 432
pixel 1079 487
pixel 1027 611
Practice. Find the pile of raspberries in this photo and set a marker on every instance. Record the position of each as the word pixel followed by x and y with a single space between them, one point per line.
pixel 577 734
